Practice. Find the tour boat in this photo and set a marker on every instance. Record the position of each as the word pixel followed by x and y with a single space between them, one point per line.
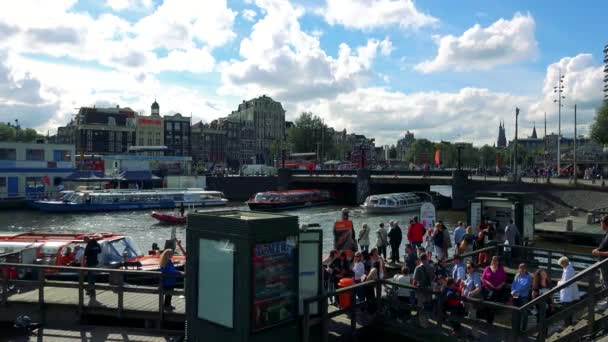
pixel 289 199
pixel 60 249
pixel 168 218
pixel 392 203
pixel 117 199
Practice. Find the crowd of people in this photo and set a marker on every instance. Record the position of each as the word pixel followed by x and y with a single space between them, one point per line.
pixel 430 282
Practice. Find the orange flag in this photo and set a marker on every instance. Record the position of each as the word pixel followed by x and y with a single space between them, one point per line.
pixel 437 157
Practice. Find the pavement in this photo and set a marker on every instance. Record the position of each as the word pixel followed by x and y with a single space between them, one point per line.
pixel 95 334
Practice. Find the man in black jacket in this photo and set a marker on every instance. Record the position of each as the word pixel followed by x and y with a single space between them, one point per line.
pixel 395 235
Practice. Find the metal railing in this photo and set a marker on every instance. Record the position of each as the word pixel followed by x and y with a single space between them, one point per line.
pixel 116 284
pixel 536 257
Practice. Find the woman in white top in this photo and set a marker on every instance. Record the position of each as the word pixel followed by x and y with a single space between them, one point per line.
pixel 570 293
pixel 364 238
pixel 358 267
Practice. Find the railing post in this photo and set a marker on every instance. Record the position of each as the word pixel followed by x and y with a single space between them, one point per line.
pixel 41 293
pixel 161 297
pixel 353 314
pixel 591 304
pixel 542 314
pixel 4 274
pixel 516 325
pixel 80 292
pixel 306 322
pixel 324 320
pixel 121 294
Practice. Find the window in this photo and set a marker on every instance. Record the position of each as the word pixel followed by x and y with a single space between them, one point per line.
pixel 8 154
pixel 34 154
pixel 111 121
pixel 61 155
pixel 215 294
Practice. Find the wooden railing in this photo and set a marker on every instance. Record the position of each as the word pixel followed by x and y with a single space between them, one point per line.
pixel 117 284
pixel 539 257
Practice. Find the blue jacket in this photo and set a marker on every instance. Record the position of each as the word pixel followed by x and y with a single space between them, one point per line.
pixel 169 274
pixel 522 285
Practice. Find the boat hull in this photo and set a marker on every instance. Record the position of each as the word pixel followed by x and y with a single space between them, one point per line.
pixel 390 210
pixel 261 206
pixel 169 219
pixel 59 207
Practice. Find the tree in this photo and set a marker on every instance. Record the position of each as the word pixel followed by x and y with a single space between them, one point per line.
pixel 488 156
pixel 392 152
pixel 27 135
pixel 599 128
pixel 422 151
pixel 308 131
pixel 7 133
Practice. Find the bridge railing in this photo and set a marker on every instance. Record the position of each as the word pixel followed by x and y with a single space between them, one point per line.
pixel 386 301
pixel 116 283
pixel 385 172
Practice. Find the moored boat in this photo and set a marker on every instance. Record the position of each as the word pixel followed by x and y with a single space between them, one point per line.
pixel 111 200
pixel 392 203
pixel 289 199
pixel 168 218
pixel 62 249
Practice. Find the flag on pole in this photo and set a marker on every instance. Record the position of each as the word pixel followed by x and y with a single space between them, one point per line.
pixel 437 157
pixel 46 180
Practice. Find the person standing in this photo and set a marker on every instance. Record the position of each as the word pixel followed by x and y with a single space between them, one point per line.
pixel 364 238
pixel 410 257
pixel 381 240
pixel 459 232
pixel 394 237
pixel 512 238
pixel 91 260
pixel 170 274
pixel 570 293
pixel 602 251
pixel 424 275
pixel 459 273
pixel 439 242
pixel 415 233
pixel 521 290
pixel 182 209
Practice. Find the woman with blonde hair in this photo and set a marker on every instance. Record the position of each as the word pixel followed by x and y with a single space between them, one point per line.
pixel 170 274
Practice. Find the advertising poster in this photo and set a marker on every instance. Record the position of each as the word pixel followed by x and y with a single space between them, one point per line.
pixel 428 215
pixel 343 237
pixel 274 283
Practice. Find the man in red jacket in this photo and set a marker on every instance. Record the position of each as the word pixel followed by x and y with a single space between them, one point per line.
pixel 415 233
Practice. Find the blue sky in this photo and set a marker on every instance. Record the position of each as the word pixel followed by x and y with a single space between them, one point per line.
pixel 447 70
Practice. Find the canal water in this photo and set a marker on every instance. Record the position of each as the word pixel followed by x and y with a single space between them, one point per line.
pixel 145 229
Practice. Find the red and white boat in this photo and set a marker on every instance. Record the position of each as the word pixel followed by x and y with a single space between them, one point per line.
pixel 289 199
pixel 117 251
pixel 169 218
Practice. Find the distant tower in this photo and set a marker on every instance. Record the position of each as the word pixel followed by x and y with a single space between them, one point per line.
pixel 155 109
pixel 534 136
pixel 502 137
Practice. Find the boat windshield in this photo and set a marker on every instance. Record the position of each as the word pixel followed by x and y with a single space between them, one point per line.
pixel 267 197
pixel 124 247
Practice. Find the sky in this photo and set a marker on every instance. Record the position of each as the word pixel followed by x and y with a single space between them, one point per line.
pixel 446 70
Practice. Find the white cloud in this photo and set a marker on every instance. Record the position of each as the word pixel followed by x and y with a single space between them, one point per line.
pixel 191 60
pixel 281 60
pixel 248 14
pixel 120 5
pixel 478 48
pixel 583 83
pixel 370 14
pixel 386 46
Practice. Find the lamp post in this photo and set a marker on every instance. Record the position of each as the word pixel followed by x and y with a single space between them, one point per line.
pixel 574 168
pixel 515 149
pixel 559 90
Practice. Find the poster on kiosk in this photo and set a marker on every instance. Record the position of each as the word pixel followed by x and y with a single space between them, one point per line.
pixel 428 214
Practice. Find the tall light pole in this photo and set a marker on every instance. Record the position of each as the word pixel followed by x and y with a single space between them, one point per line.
pixel 574 168
pixel 515 149
pixel 559 90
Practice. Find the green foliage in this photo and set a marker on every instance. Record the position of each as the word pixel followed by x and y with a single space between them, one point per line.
pixel 10 133
pixel 308 130
pixel 488 156
pixel 392 152
pixel 599 128
pixel 422 151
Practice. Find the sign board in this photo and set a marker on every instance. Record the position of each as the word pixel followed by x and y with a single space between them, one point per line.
pixel 529 221
pixel 475 214
pixel 428 215
pixel 310 244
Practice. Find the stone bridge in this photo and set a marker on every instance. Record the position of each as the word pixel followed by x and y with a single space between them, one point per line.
pixel 353 186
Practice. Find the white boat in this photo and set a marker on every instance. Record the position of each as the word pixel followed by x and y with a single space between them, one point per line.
pixel 108 200
pixel 392 203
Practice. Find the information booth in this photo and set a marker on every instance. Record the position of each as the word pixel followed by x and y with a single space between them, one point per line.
pixel 242 282
pixel 500 207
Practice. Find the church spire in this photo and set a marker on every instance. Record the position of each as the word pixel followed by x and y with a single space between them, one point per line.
pixel 534 136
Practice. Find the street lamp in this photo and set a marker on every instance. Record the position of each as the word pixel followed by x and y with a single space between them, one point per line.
pixel 515 152
pixel 559 89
